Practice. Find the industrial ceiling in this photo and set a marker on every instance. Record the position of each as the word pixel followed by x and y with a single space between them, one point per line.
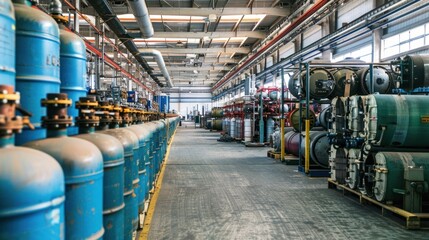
pixel 200 40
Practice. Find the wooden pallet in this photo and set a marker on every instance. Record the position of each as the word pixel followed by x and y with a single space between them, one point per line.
pixel 288 158
pixel 409 220
pixel 272 154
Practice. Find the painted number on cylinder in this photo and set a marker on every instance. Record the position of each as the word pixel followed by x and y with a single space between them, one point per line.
pixel 424 119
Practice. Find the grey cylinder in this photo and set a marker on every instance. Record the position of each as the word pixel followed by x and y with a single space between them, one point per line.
pixel 270 128
pixel 319 148
pixel 232 129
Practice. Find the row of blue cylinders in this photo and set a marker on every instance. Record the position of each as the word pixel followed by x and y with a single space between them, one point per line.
pixel 89 186
pixel 107 178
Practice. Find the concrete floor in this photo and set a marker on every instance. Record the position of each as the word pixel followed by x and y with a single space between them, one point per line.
pixel 215 190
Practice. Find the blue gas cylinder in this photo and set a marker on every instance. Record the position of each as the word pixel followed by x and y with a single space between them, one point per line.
pixel 82 164
pixel 7 46
pixel 31 183
pixel 152 150
pixel 143 135
pixel 37 64
pixel 73 71
pixel 130 143
pixel 113 159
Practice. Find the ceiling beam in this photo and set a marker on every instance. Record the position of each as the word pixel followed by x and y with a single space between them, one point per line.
pixel 250 34
pixel 221 60
pixel 281 12
pixel 204 61
pixel 244 50
pixel 204 68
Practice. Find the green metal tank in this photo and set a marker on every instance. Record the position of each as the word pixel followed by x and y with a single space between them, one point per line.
pixel 397 121
pixel 394 169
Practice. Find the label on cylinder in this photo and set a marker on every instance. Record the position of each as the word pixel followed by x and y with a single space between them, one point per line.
pixel 424 119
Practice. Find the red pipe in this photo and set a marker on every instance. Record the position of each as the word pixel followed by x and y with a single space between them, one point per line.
pixel 300 19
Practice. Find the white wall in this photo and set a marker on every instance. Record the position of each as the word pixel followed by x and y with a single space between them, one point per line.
pixel 185 101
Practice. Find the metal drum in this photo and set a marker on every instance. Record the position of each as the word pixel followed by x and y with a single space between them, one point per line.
pixel 277 140
pixel 232 128
pixel 73 70
pixel 274 95
pixel 397 120
pixel 37 64
pixel 130 144
pixel 295 120
pixel 82 164
pixel 292 143
pixel 390 176
pixel 415 72
pixel 217 124
pixel 319 148
pixel 341 81
pixel 354 168
pixel 382 80
pixel 217 112
pixel 324 118
pixel 227 125
pixel 239 128
pixel 248 130
pixel 270 128
pixel 322 83
pixel 7 48
pixel 31 182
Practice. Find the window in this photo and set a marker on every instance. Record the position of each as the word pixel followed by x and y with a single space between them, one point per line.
pixel 364 53
pixel 405 41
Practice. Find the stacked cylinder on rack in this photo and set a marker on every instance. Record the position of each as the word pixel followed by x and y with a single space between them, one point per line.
pixel 377 147
pixel 91 185
pixel 375 137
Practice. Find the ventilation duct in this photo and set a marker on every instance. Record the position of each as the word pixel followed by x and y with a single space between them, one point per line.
pixel 160 61
pixel 139 9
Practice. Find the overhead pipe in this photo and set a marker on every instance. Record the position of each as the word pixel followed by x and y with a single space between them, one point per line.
pixel 160 61
pixel 139 9
pixel 104 10
pixel 317 6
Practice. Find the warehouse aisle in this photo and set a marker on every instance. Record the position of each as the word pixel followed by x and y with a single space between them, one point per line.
pixel 214 190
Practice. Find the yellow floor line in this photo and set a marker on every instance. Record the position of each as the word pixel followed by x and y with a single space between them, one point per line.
pixel 152 205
